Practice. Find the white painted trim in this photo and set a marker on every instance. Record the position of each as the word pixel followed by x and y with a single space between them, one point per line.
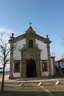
pixel 45 73
pixel 16 74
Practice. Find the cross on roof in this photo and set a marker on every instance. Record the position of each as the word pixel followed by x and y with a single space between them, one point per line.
pixel 30 23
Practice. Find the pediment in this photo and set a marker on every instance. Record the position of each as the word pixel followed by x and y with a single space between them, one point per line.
pixel 31 33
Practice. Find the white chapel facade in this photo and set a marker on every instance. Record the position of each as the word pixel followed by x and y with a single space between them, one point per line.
pixel 30 56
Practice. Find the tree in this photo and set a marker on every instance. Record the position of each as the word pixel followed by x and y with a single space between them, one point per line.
pixel 4 57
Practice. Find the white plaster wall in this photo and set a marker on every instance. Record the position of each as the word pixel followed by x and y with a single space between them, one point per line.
pixel 16 74
pixel 45 73
pixel 43 47
pixel 18 45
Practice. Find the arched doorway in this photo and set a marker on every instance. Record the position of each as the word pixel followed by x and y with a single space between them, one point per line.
pixel 30 68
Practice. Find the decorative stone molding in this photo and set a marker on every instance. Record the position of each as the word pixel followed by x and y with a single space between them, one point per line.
pixel 31 33
pixel 27 55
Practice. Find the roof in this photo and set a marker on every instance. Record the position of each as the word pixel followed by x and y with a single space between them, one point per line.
pixel 62 59
pixel 32 33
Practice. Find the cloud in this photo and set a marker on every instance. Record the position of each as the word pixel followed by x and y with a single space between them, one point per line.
pixel 6 33
pixel 59 56
pixel 6 30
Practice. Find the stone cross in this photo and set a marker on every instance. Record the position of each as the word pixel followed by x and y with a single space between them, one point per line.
pixel 30 23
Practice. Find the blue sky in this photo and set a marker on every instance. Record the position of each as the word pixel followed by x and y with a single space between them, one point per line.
pixel 47 17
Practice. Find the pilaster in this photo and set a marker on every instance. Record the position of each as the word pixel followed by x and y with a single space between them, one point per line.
pixel 49 60
pixel 53 62
pixel 11 56
pixel 38 66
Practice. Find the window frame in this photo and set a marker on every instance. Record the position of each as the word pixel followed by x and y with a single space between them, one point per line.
pixel 29 43
pixel 18 66
pixel 44 68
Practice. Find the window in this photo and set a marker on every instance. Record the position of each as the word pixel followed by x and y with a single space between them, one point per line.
pixel 17 66
pixel 44 66
pixel 30 43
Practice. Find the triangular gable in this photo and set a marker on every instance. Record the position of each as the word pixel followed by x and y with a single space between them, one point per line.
pixel 31 32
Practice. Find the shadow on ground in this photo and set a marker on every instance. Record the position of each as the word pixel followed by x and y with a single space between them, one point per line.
pixel 16 93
